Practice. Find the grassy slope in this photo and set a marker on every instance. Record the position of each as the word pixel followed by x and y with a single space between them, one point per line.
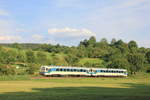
pixel 133 88
pixel 90 60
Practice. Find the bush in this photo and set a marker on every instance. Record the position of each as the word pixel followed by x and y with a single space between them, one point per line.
pixel 7 70
pixel 148 70
pixel 32 68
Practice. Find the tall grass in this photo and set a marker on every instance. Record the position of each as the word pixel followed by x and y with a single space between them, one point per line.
pixel 14 77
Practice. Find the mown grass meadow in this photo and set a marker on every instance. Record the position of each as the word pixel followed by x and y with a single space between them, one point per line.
pixel 131 88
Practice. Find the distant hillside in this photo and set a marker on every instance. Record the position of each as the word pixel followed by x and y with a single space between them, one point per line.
pixel 89 53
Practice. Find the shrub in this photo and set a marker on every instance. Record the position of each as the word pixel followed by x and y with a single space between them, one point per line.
pixel 7 70
pixel 32 68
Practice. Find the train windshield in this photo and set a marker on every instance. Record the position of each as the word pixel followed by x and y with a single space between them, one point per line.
pixel 43 69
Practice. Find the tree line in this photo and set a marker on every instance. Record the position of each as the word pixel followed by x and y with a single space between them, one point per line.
pixel 27 58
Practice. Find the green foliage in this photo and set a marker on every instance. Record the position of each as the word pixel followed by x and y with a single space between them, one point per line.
pixel 148 57
pixel 72 59
pixel 16 45
pixel 32 68
pixel 89 53
pixel 7 70
pixel 42 57
pixel 119 63
pixel 30 56
pixel 21 56
pixel 59 60
pixel 132 88
pixel 90 62
pixel 148 70
pixel 133 46
pixel 92 41
pixel 136 62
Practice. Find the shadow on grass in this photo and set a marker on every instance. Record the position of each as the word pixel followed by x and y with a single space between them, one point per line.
pixel 135 92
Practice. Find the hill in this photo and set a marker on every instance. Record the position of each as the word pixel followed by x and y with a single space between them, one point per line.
pixel 27 58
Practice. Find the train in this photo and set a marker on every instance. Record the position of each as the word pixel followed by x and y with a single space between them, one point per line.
pixel 82 71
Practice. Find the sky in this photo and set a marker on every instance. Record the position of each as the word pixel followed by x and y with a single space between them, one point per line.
pixel 67 22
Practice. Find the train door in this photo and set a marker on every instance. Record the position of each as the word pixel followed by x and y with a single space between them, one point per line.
pixel 92 72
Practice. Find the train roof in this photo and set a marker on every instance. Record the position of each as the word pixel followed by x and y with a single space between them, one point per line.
pixel 84 68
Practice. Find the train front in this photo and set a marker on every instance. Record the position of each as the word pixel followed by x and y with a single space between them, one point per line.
pixel 44 70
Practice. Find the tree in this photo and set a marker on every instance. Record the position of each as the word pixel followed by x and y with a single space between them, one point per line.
pixel 113 41
pixel 59 60
pixel 9 56
pixel 32 68
pixel 16 45
pixel 123 47
pixel 31 58
pixel 119 63
pixel 148 57
pixel 136 61
pixel 7 70
pixel 72 59
pixel 81 52
pixel 41 57
pixel 84 43
pixel 132 46
pixel 21 56
pixel 92 41
pixel 103 44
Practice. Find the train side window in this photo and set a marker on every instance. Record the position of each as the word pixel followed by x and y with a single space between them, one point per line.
pixel 65 70
pixel 46 69
pixel 57 69
pixel 60 69
pixel 71 70
pixel 68 69
pixel 81 70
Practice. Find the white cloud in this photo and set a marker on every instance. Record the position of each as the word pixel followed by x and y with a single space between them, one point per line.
pixel 133 3
pixel 8 38
pixel 21 30
pixel 37 37
pixel 3 13
pixel 71 32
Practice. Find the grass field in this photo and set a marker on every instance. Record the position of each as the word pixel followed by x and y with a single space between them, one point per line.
pixel 133 88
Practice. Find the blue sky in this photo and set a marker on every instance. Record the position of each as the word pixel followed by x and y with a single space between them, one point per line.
pixel 69 21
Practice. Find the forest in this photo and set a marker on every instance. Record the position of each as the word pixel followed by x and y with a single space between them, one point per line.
pixel 26 58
